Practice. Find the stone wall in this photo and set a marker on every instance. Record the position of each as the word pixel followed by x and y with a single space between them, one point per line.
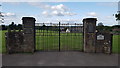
pixel 104 42
pixel 29 33
pixel 14 41
pixel 89 34
pixel 22 41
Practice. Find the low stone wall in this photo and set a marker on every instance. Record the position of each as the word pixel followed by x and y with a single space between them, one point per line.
pixel 104 42
pixel 22 41
pixel 18 42
pixel 14 41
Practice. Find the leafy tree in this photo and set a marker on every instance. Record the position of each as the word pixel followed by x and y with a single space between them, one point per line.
pixel 117 16
pixel 116 26
pixel 4 27
pixel 44 25
pixel 100 24
pixel 12 26
pixel 19 26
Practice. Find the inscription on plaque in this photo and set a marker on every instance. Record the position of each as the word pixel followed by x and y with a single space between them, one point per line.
pixel 100 37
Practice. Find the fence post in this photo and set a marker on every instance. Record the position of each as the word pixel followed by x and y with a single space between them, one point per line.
pixel 89 34
pixel 29 34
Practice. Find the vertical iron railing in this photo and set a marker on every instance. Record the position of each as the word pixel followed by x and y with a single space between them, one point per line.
pixel 54 36
pixel 59 36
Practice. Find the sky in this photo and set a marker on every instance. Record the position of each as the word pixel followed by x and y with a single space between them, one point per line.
pixel 70 12
pixel 59 0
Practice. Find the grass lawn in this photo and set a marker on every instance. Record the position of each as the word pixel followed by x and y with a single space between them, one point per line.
pixel 116 44
pixel 66 41
pixel 2 37
pixel 50 41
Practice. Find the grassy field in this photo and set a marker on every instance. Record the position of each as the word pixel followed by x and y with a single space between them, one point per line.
pixel 49 40
pixel 66 41
pixel 116 44
pixel 2 37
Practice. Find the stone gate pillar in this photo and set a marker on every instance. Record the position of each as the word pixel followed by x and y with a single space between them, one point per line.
pixel 89 34
pixel 29 34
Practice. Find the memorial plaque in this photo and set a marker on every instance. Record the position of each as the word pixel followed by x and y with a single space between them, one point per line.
pixel 100 37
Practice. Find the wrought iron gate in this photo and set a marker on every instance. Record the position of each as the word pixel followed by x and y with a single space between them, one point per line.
pixel 59 36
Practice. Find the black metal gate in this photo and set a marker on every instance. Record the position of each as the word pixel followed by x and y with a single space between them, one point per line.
pixel 59 36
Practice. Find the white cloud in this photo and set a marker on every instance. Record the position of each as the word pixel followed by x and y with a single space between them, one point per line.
pixel 57 13
pixel 94 14
pixel 40 5
pixel 8 20
pixel 107 20
pixel 45 12
pixel 70 14
pixel 68 20
pixel 8 14
pixel 91 15
pixel 59 7
pixel 109 17
pixel 53 10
